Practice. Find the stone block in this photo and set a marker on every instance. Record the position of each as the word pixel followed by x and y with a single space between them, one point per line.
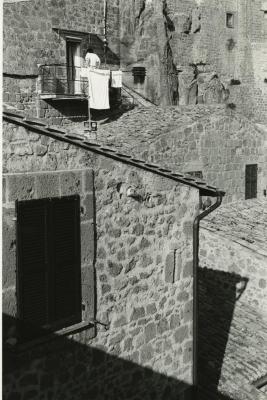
pixel 138 229
pixel 120 321
pixel 144 243
pixel 188 311
pixel 105 289
pixel 188 269
pixel 20 187
pixel 88 207
pixel 175 321
pixel 162 326
pixel 114 268
pixel 138 312
pixel 87 243
pixel 9 248
pixel 40 149
pixel 71 182
pixel 150 332
pixel 181 334
pixel 146 353
pixel 170 267
pixel 262 283
pixel 47 185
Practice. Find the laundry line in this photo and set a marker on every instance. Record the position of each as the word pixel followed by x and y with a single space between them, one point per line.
pixel 98 85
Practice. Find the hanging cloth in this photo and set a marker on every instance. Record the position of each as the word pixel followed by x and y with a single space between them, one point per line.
pixel 116 79
pixel 98 88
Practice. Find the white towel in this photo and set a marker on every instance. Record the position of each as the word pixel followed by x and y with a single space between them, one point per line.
pixel 116 79
pixel 98 88
pixel 84 72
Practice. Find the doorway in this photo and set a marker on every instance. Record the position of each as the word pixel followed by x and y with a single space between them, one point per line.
pixel 73 65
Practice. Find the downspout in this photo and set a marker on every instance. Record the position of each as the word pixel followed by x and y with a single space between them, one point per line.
pixel 196 225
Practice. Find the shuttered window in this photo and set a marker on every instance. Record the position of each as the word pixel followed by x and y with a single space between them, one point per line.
pixel 48 264
pixel 251 181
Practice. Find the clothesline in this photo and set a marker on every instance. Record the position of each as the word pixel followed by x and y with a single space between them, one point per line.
pixel 98 85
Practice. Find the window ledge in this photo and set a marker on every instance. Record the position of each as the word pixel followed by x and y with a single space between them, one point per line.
pixel 17 348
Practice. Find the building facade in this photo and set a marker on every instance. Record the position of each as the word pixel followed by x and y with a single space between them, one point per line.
pixel 211 142
pixel 171 52
pixel 126 330
pixel 44 47
pixel 199 51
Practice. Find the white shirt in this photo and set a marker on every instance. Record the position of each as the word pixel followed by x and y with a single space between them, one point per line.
pixel 92 60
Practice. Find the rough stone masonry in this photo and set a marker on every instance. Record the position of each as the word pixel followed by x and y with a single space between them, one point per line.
pixel 142 272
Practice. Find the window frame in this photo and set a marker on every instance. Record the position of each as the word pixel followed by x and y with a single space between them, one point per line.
pixel 61 324
pixel 230 15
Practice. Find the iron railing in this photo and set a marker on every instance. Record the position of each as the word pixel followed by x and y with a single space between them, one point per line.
pixel 61 79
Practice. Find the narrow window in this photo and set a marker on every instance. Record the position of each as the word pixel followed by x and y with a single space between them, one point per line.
pixel 229 20
pixel 73 49
pixel 139 74
pixel 251 181
pixel 196 174
pixel 48 265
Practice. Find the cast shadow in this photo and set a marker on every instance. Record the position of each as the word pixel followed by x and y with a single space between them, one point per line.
pixel 218 293
pixel 62 368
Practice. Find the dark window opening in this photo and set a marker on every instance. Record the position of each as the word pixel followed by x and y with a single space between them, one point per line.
pixel 229 20
pixel 251 176
pixel 48 265
pixel 196 174
pixel 73 53
pixel 139 74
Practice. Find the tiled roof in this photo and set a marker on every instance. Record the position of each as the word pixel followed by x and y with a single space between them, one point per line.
pixel 244 222
pixel 145 125
pixel 243 350
pixel 75 139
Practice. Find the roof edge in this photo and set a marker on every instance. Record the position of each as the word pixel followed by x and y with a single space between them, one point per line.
pixel 40 127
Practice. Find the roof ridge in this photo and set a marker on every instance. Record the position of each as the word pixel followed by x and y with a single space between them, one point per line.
pixel 41 127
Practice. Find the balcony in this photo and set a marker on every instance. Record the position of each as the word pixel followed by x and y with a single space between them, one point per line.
pixel 60 81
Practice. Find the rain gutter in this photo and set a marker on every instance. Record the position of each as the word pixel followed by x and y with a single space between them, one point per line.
pixel 196 225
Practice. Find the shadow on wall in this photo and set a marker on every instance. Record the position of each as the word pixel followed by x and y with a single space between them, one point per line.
pixel 218 293
pixel 64 369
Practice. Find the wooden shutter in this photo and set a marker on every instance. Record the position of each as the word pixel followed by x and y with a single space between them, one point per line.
pixel 251 181
pixel 48 264
pixel 66 263
pixel 32 263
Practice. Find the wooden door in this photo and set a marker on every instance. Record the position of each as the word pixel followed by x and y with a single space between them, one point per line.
pixel 73 66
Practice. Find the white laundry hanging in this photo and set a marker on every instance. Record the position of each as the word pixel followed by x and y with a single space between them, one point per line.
pixel 116 79
pixel 98 80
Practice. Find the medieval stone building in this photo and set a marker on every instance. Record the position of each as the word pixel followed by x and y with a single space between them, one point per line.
pixel 100 244
pixel 44 47
pixel 97 269
pixel 199 51
pixel 189 52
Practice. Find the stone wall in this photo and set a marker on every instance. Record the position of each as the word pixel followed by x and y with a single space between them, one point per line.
pixel 191 39
pixel 143 273
pixel 221 254
pixel 220 146
pixel 29 37
pixel 30 41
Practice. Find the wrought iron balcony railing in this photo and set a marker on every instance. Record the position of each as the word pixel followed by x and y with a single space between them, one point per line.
pixel 61 79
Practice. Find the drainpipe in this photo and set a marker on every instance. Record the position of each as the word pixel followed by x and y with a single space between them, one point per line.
pixel 196 224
